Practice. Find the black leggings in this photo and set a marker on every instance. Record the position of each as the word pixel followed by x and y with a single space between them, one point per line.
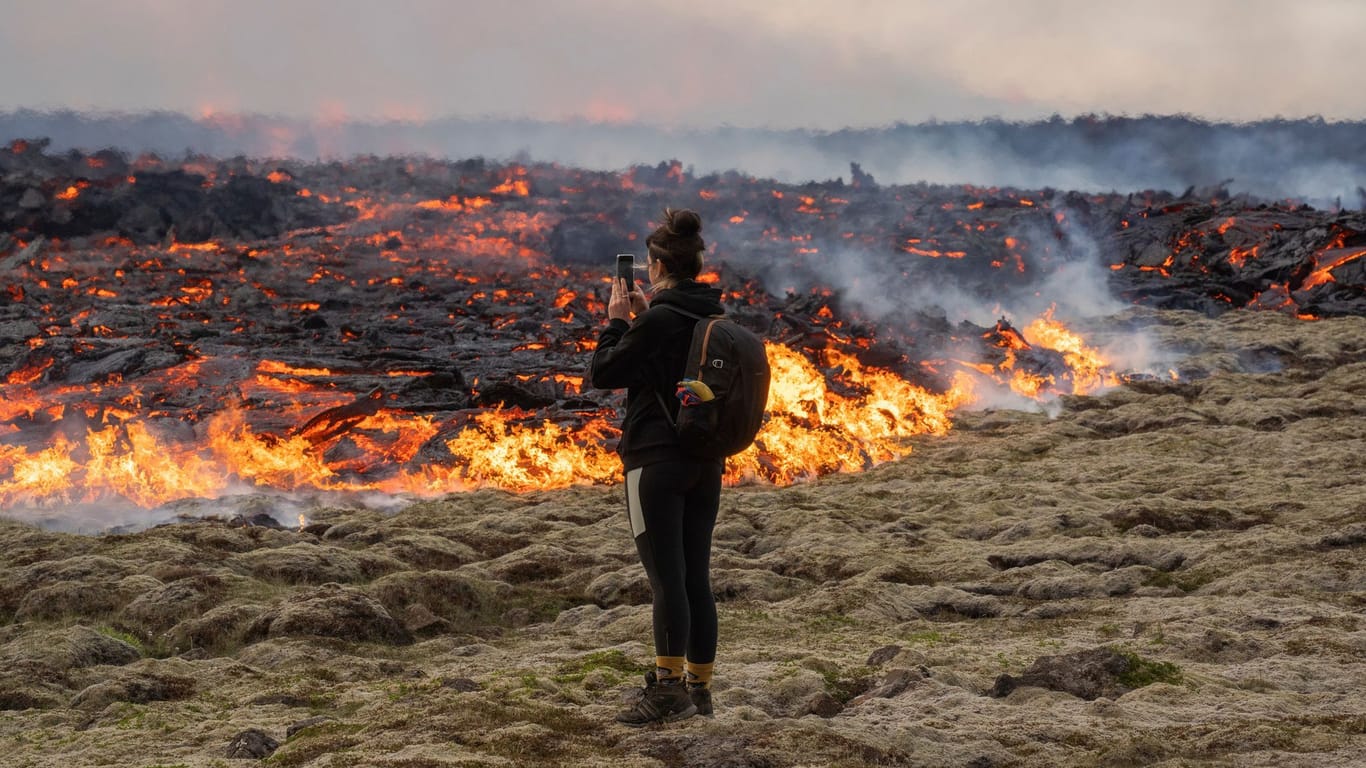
pixel 672 508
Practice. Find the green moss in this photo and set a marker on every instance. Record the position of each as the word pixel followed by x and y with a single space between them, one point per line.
pixel 1143 672
pixel 533 603
pixel 134 720
pixel 404 691
pixel 930 637
pixel 314 742
pixel 1187 581
pixel 148 647
pixel 613 660
pixel 122 636
pixel 323 674
pixel 1005 662
pixel 844 685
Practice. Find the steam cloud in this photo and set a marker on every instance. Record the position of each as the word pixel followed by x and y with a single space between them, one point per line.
pixel 1318 162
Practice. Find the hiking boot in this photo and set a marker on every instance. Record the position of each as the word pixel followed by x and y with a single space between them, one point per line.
pixel 660 701
pixel 701 698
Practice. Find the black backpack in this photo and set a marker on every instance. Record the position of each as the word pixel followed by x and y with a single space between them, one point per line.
pixel 732 364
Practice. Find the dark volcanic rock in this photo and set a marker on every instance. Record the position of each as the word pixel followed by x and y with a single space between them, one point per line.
pixel 251 744
pixel 1088 674
pixel 17 331
pixel 822 705
pixel 893 684
pixel 1349 536
pixel 588 239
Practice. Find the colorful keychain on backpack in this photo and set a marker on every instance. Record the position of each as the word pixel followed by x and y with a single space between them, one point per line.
pixel 693 392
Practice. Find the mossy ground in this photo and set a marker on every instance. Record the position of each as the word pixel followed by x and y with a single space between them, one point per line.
pixel 1173 522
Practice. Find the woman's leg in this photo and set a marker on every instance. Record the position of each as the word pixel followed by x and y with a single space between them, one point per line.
pixel 700 505
pixel 655 497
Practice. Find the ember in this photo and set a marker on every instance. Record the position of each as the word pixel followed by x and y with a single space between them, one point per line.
pixel 404 325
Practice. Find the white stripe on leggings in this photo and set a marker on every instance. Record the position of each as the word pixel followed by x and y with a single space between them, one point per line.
pixel 633 502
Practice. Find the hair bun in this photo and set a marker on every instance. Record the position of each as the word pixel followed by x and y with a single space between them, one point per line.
pixel 684 223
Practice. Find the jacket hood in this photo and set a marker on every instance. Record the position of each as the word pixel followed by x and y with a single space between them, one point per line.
pixel 692 296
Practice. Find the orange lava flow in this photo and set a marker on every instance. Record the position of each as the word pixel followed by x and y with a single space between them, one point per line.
pixel 1087 369
pixel 1327 261
pixel 812 430
pixel 1089 372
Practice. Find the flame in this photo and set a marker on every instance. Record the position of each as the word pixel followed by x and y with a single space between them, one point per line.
pixel 267 460
pixel 131 462
pixel 512 186
pixel 813 430
pixel 1240 256
pixel 42 476
pixel 499 451
pixel 1088 369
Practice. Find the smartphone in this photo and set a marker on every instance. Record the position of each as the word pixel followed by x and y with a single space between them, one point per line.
pixel 626 269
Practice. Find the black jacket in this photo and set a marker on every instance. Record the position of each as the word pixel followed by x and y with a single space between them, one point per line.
pixel 648 356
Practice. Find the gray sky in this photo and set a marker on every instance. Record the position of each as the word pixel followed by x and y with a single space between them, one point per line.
pixel 789 63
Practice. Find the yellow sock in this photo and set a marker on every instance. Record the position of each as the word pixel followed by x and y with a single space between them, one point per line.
pixel 699 674
pixel 669 667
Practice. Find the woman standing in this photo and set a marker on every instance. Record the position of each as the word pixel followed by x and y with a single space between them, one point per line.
pixel 671 497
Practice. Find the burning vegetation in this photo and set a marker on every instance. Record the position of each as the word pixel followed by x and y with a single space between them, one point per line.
pixel 198 327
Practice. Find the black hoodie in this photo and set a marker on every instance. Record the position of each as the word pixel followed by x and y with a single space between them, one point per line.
pixel 648 356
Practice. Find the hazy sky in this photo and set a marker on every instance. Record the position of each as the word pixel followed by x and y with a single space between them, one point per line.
pixel 777 63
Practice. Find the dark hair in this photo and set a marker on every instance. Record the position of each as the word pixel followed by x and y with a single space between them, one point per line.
pixel 678 243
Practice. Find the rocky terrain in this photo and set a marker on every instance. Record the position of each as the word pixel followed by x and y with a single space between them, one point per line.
pixel 1169 573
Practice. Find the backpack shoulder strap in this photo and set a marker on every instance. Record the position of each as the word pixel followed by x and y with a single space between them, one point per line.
pixel 663 405
pixel 686 313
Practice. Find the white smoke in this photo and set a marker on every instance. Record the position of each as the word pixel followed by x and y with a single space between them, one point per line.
pixel 1305 160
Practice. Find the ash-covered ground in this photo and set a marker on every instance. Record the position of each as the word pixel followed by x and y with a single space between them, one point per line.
pixel 1167 573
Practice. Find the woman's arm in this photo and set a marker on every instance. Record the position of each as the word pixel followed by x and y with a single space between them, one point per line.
pixel 623 349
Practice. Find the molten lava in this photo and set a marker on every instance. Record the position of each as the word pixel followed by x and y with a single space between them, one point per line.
pixel 176 370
